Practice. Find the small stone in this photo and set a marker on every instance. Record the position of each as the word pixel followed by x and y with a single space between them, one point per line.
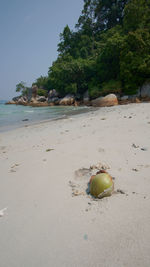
pixel 144 149
pixel 134 169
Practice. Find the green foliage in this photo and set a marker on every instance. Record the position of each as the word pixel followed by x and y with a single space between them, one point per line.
pixel 20 87
pixel 109 51
pixel 70 75
pixel 42 92
pixel 135 60
pixel 94 91
pixel 42 82
pixel 136 15
pixel 112 86
pixel 108 61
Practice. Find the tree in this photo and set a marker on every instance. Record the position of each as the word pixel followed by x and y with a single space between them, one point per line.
pixel 109 13
pixel 65 38
pixel 42 82
pixel 20 87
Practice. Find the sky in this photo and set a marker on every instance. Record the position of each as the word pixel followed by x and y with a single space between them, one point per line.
pixel 29 34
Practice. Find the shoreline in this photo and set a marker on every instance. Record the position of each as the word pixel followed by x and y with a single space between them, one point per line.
pixel 46 224
pixel 28 122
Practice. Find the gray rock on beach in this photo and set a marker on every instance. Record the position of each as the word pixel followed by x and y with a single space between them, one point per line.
pixel 86 98
pixel 67 100
pixel 145 90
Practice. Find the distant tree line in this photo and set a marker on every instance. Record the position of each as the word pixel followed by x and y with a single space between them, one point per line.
pixel 109 50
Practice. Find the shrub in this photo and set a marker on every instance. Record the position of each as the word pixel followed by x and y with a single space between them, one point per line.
pixel 42 92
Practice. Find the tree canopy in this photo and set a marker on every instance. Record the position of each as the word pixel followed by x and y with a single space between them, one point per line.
pixel 108 51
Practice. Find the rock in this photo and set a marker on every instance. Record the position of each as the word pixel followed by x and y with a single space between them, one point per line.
pixel 52 93
pixel 86 98
pixel 67 100
pixel 41 98
pixel 29 94
pixel 124 98
pixel 16 98
pixel 54 100
pixel 10 103
pixel 38 104
pixel 133 99
pixel 22 101
pixel 34 91
pixel 107 101
pixel 145 90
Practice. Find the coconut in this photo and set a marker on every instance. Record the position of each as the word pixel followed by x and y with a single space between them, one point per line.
pixel 101 185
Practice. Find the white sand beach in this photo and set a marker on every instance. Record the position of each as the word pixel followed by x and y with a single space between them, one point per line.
pixel 45 224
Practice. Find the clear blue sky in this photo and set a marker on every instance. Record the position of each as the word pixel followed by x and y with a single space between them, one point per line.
pixel 29 34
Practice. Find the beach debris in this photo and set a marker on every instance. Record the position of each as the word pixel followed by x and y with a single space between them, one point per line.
pixel 49 149
pixel 2 212
pixel 77 193
pixel 134 145
pixel 100 166
pixel 144 149
pixel 134 169
pixel 120 191
pixel 101 185
pixel 103 119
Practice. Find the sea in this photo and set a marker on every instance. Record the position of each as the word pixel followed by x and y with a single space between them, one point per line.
pixel 15 116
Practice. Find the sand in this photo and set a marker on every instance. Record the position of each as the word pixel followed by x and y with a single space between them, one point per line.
pixel 45 223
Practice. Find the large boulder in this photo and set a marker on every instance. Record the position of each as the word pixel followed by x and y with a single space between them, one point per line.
pixel 41 98
pixel 22 101
pixel 106 101
pixel 67 100
pixel 52 93
pixel 54 101
pixel 145 90
pixel 53 98
pixel 34 91
pixel 124 98
pixel 16 98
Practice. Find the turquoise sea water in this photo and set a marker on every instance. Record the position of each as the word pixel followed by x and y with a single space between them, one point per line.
pixel 12 116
